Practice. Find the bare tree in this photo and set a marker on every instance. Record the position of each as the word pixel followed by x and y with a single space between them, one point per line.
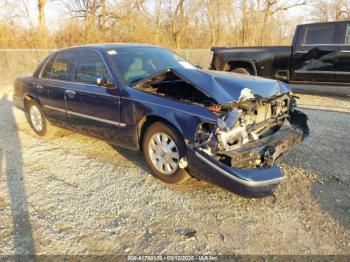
pixel 216 12
pixel 8 11
pixel 325 10
pixel 158 18
pixel 271 8
pixel 177 18
pixel 244 20
pixel 103 18
pixel 42 22
pixel 171 23
pixel 88 12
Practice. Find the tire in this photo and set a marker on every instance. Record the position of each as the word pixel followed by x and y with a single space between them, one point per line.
pixel 241 70
pixel 37 119
pixel 163 152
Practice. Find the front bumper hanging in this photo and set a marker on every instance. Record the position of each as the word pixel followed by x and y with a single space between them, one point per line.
pixel 248 181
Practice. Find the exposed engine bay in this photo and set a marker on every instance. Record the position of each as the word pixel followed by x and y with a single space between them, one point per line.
pixel 251 120
pixel 171 85
pixel 252 132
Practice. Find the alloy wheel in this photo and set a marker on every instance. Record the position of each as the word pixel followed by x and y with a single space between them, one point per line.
pixel 36 118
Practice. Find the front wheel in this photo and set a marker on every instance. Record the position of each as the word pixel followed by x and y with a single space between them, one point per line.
pixel 163 149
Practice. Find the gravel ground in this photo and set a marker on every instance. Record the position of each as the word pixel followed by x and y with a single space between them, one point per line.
pixel 73 194
pixel 327 103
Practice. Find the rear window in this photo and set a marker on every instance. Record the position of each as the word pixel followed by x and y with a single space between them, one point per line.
pixel 46 73
pixel 319 34
pixel 58 67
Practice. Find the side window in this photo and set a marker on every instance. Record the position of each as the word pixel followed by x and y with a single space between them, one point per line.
pixel 347 34
pixel 46 73
pixel 89 67
pixel 300 35
pixel 319 34
pixel 61 66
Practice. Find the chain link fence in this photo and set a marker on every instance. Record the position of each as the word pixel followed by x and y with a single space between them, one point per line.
pixel 200 57
pixel 19 62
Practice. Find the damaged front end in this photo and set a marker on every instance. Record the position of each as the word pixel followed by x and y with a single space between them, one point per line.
pixel 254 127
pixel 250 135
pixel 255 132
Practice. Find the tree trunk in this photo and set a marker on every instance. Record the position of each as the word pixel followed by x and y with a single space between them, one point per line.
pixel 257 15
pixel 267 15
pixel 244 11
pixel 42 22
pixel 177 29
pixel 158 19
pixel 103 15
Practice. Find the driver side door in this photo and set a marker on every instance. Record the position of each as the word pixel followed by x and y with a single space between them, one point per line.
pixel 315 53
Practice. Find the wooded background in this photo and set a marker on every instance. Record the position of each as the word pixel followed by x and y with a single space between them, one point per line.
pixel 171 23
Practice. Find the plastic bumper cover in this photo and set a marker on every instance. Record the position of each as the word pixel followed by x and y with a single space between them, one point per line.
pixel 247 182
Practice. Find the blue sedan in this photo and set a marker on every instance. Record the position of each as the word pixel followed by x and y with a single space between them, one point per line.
pixel 221 127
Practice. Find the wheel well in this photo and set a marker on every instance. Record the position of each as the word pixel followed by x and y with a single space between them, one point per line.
pixel 26 100
pixel 147 122
pixel 241 64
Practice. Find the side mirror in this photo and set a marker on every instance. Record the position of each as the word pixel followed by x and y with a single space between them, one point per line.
pixel 101 81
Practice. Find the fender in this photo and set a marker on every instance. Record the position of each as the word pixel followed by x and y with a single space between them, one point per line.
pixel 249 61
pixel 32 96
pixel 23 93
pixel 144 108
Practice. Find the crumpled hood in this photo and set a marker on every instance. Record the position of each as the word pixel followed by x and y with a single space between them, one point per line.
pixel 226 87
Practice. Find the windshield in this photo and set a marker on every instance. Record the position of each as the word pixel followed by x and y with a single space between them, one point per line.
pixel 136 63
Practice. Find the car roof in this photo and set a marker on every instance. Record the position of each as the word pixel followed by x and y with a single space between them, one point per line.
pixel 107 46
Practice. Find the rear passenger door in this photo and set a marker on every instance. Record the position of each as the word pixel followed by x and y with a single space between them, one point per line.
pixel 91 107
pixel 315 53
pixel 343 57
pixel 52 83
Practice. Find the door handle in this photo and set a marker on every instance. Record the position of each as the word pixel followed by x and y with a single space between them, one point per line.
pixel 39 88
pixel 301 52
pixel 345 51
pixel 70 93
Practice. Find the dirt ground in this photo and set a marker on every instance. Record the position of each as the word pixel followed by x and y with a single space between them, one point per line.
pixel 74 194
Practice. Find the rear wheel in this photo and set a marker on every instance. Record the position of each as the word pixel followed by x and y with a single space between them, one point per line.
pixel 241 70
pixel 37 120
pixel 163 149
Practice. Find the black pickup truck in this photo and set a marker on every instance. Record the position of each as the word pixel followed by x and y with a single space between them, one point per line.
pixel 318 57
